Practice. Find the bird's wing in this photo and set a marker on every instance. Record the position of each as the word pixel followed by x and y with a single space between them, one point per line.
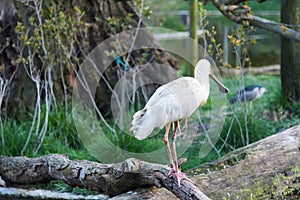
pixel 251 87
pixel 249 93
pixel 182 96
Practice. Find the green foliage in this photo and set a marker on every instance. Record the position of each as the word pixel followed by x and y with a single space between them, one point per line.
pixel 129 143
pixel 173 23
pixel 286 185
pixel 239 40
pixel 63 187
pixel 13 137
pixel 235 131
pixel 61 136
pixel 50 44
pixel 118 24
pixel 51 35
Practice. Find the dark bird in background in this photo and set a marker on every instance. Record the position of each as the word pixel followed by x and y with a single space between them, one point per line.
pixel 249 93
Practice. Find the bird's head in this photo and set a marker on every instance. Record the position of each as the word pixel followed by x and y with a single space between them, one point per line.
pixel 203 71
pixel 262 90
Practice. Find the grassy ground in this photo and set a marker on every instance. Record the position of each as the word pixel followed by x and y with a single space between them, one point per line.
pixel 266 117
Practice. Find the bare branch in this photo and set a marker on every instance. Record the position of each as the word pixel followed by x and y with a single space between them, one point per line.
pixel 272 26
pixel 231 2
pixel 241 14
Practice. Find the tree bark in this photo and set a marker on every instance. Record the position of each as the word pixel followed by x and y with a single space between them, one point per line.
pixel 8 55
pixel 266 169
pixel 111 179
pixel 290 53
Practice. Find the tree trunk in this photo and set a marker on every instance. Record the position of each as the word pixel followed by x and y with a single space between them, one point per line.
pixel 290 53
pixel 62 48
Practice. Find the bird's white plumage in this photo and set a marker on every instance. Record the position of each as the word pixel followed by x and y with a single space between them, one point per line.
pixel 173 101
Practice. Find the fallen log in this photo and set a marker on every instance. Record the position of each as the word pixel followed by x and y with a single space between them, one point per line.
pixel 273 70
pixel 111 179
pixel 266 169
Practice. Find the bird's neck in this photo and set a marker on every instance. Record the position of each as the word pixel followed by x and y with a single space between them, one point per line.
pixel 203 79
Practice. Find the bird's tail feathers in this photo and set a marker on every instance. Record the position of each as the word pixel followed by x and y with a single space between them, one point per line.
pixel 141 124
pixel 145 121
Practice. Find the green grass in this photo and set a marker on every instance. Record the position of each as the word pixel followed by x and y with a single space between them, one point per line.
pixel 173 23
pixel 61 136
pixel 59 186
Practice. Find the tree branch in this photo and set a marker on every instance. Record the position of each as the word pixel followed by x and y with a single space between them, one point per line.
pixel 272 26
pixel 111 179
pixel 241 14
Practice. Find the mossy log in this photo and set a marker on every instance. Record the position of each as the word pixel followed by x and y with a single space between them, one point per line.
pixel 267 169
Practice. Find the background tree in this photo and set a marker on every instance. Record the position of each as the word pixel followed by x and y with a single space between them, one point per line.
pixel 44 43
pixel 42 46
pixel 290 52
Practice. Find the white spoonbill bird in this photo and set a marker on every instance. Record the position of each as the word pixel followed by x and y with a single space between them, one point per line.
pixel 171 103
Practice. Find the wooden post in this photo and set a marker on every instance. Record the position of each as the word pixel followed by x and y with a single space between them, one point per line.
pixel 193 32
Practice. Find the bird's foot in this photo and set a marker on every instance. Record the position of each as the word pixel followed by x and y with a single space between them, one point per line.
pixel 172 170
pixel 178 175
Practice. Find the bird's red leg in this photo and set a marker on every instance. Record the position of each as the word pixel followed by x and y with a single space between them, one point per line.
pixel 173 146
pixel 173 150
pixel 166 141
pixel 178 174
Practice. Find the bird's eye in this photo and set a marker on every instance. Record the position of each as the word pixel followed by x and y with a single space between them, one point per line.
pixel 142 115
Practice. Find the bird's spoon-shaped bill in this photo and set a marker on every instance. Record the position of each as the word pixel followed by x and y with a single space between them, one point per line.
pixel 222 87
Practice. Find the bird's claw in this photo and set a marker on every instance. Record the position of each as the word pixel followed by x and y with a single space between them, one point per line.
pixel 178 175
pixel 172 171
